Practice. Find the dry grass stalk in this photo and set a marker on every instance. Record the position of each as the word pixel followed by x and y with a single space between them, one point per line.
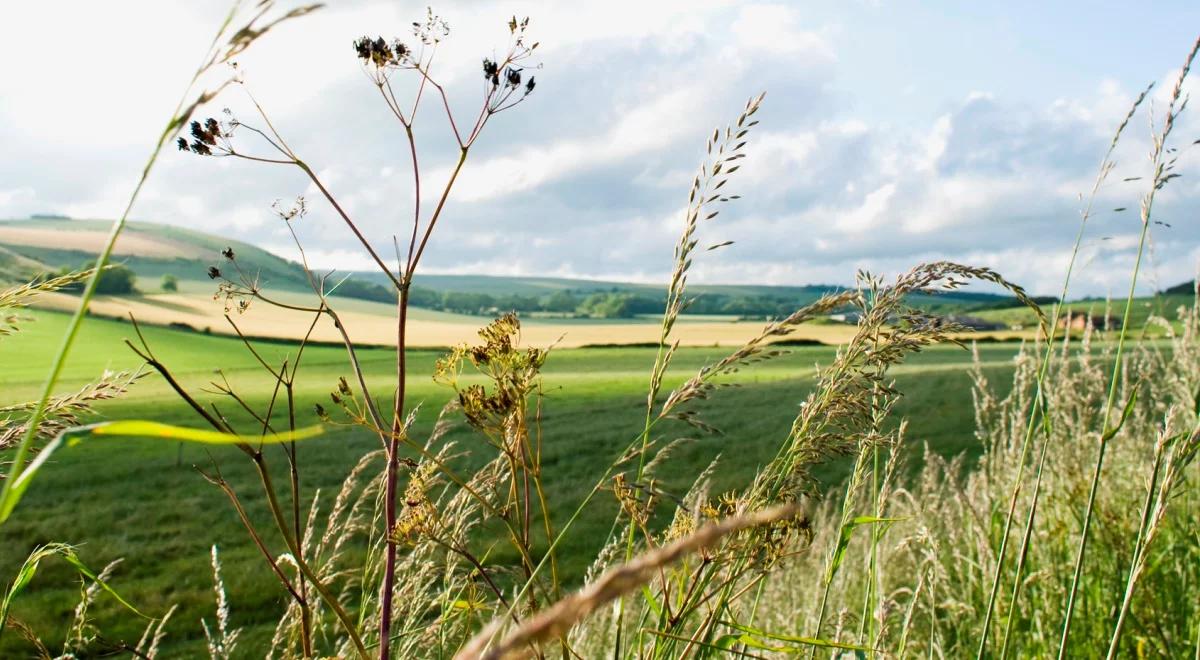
pixel 556 620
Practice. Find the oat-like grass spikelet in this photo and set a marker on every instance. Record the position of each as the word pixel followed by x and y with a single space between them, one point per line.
pixel 63 411
pixel 19 297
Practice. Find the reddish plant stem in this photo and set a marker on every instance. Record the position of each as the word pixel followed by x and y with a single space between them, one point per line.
pixel 393 464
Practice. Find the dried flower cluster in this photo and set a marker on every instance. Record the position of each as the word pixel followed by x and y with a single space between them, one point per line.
pixel 380 53
pixel 513 374
pixel 208 137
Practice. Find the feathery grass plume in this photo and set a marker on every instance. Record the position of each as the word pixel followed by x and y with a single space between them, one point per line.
pixel 888 330
pixel 722 153
pixel 222 642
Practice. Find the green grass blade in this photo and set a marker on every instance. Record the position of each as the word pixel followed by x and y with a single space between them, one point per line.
pixel 29 570
pixel 145 429
pixel 135 429
pixel 750 634
pixel 844 538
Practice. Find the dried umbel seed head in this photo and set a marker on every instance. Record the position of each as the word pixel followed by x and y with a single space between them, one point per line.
pixel 207 136
pixel 513 372
pixel 638 506
pixel 418 518
pixel 213 272
pixel 228 253
pixel 491 71
pixel 321 413
pixel 296 210
pixel 432 30
pixel 381 54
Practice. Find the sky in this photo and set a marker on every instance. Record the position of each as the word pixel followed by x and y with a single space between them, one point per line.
pixel 892 132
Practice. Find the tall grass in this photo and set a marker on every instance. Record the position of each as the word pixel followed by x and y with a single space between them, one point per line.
pixel 1162 165
pixel 935 563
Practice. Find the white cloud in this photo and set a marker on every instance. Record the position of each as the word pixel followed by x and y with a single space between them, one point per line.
pixel 870 213
pixel 17 201
pixel 644 128
pixel 776 29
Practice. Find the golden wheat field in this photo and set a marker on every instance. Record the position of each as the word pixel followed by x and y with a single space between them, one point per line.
pixel 89 241
pixel 369 323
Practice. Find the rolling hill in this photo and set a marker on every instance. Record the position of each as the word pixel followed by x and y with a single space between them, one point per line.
pixel 153 250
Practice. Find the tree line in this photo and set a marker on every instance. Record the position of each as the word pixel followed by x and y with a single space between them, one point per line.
pixel 611 304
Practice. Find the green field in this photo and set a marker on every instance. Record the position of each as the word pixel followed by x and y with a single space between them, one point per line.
pixel 143 501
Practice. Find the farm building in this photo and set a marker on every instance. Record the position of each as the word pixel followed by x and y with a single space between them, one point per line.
pixel 1098 321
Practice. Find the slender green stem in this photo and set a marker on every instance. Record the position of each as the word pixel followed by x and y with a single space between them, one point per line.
pixel 1159 179
pixel 1139 550
pixel 1104 441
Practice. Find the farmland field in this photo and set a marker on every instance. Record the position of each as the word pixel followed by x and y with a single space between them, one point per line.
pixel 143 500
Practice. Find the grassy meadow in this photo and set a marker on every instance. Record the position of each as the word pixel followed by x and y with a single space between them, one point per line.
pixel 142 500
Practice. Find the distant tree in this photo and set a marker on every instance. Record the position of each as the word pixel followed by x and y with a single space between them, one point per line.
pixel 427 298
pixel 170 283
pixel 609 305
pixel 560 301
pixel 468 303
pixel 516 302
pixel 364 290
pixel 116 280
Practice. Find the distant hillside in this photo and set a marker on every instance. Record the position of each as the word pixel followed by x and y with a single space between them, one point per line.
pixel 538 286
pixel 15 267
pixel 1184 289
pixel 151 250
